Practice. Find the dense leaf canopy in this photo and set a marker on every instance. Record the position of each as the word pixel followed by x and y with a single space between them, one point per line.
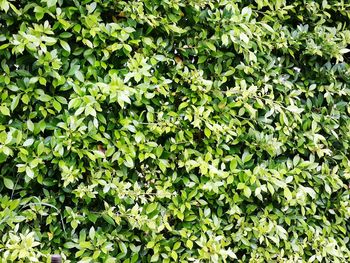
pixel 175 130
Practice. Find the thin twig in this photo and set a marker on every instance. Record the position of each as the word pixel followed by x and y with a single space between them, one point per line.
pixel 49 205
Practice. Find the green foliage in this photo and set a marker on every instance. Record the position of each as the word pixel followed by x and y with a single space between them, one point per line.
pixel 175 131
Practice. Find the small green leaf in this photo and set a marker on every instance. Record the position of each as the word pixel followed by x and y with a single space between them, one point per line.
pixel 28 142
pixel 207 132
pixel 51 2
pixel 65 45
pixel 344 50
pixel 247 192
pixel 244 37
pixel 139 137
pixel 174 255
pixel 202 59
pixel 56 105
pixel 189 243
pixel 123 247
pixel 79 76
pixel 90 111
pixel 177 245
pixel 92 233
pixel 108 219
pixel 129 161
pixel 211 46
pixel 4 110
pixel 151 207
pixel 15 102
pixel 295 109
pixel 180 215
pixel 270 188
pixel 224 39
pixel 8 183
pixel 246 157
pixel 287 194
pixel 29 172
pixel 30 125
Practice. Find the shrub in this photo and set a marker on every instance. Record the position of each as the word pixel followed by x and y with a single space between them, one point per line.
pixel 175 131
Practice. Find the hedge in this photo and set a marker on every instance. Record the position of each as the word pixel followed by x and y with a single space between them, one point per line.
pixel 175 131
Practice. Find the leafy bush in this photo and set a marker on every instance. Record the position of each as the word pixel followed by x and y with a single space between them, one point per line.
pixel 163 131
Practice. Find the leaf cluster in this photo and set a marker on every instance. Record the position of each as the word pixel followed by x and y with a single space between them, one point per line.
pixel 175 131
